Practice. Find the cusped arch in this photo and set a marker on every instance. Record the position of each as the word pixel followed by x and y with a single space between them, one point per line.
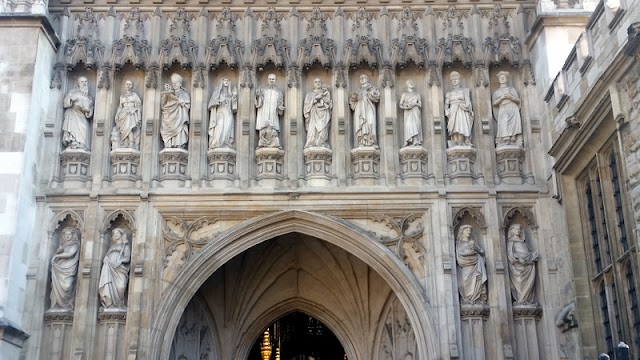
pixel 59 218
pixel 282 309
pixel 474 213
pixel 525 213
pixel 106 224
pixel 336 231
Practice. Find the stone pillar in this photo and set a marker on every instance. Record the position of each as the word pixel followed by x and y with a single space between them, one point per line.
pixel 413 164
pixel 525 318
pixel 317 161
pixel 365 161
pixel 173 167
pixel 222 167
pixel 510 159
pixel 112 330
pixel 474 317
pixel 270 162
pixel 74 168
pixel 125 168
pixel 461 161
pixel 57 340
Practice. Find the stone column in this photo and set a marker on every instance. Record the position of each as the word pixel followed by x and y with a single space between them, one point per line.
pixel 57 339
pixel 474 318
pixel 525 318
pixel 112 330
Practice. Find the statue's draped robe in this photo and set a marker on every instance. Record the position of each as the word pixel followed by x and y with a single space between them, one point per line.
pixel 472 275
pixel 509 121
pixel 317 114
pixel 459 112
pixel 128 117
pixel 64 269
pixel 522 270
pixel 223 104
pixel 75 126
pixel 411 103
pixel 114 276
pixel 364 116
pixel 175 118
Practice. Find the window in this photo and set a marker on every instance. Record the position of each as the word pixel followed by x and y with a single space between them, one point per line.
pixel 610 253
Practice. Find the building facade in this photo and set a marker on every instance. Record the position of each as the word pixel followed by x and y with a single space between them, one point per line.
pixel 427 180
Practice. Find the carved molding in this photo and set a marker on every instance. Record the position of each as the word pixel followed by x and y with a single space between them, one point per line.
pixel 183 239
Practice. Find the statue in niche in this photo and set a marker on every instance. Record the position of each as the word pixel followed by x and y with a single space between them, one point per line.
pixel 78 105
pixel 411 103
pixel 317 115
pixel 114 276
pixel 64 268
pixel 270 105
pixel 522 267
pixel 472 276
pixel 223 104
pixel 459 112
pixel 175 103
pixel 363 103
pixel 128 119
pixel 507 101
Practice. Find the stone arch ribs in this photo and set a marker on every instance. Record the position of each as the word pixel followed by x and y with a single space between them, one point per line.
pixel 252 232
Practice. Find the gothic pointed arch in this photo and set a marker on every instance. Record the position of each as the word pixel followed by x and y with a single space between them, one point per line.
pixel 335 231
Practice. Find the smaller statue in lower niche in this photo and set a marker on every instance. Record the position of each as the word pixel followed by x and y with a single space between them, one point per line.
pixel 114 276
pixel 522 267
pixel 64 269
pixel 472 274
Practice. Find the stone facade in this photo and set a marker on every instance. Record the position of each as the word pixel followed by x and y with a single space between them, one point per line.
pixel 362 235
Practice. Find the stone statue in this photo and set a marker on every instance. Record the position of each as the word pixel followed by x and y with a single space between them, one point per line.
pixel 522 267
pixel 223 104
pixel 78 109
pixel 459 111
pixel 175 104
pixel 508 114
pixel 64 268
pixel 363 103
pixel 411 103
pixel 114 276
pixel 270 105
pixel 472 276
pixel 128 118
pixel 317 115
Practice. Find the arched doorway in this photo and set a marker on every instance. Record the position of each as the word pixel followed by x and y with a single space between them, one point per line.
pixel 297 261
pixel 297 336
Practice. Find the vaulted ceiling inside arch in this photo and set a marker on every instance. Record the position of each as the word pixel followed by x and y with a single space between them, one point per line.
pixel 300 273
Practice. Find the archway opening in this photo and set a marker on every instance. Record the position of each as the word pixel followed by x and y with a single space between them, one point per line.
pixel 297 336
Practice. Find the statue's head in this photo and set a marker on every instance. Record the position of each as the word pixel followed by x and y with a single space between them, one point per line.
pixel 176 81
pixel 69 235
pixel 503 77
pixel 364 79
pixel 455 78
pixel 464 232
pixel 119 235
pixel 271 79
pixel 515 233
pixel 83 84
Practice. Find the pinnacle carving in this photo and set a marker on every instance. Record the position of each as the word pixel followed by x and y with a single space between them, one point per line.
pixel 270 48
pixel 316 47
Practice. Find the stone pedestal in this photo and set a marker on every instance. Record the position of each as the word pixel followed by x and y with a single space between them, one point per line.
pixel 125 165
pixel 173 166
pixel 222 166
pixel 270 163
pixel 57 337
pixel 525 318
pixel 473 319
pixel 461 160
pixel 413 164
pixel 510 159
pixel 74 166
pixel 112 331
pixel 317 161
pixel 365 162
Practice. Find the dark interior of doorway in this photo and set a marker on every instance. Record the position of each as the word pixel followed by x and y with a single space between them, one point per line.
pixel 298 336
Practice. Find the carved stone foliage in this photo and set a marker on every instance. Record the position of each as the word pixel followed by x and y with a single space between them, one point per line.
pixel 85 48
pixel 397 340
pixel 363 48
pixel 270 47
pixel 455 48
pixel 178 47
pixel 316 47
pixel 405 240
pixel 566 318
pixel 501 48
pixel 224 49
pixel 132 47
pixel 183 239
